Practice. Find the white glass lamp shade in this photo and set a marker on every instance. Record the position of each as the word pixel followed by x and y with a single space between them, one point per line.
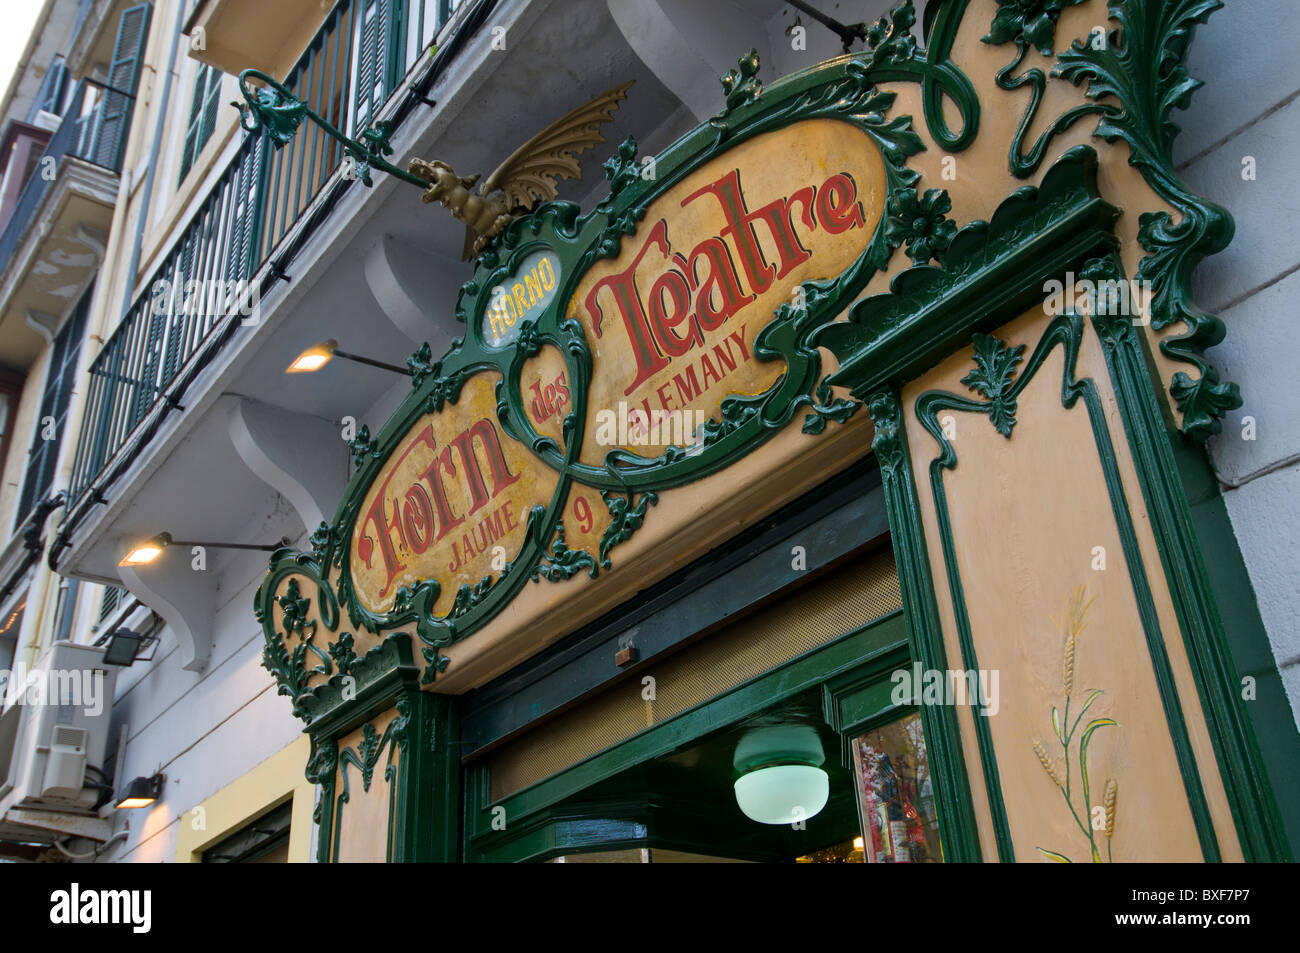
pixel 783 793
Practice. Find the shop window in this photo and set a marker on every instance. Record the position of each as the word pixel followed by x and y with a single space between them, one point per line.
pixel 204 103
pixel 263 841
pixel 60 379
pixel 896 795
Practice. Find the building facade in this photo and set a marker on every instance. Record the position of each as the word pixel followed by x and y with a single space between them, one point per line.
pixel 841 462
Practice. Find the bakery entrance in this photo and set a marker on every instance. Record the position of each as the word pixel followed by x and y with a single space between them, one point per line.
pixel 811 762
pixel 782 787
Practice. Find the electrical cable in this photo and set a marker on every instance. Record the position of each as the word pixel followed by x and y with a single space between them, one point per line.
pixel 72 855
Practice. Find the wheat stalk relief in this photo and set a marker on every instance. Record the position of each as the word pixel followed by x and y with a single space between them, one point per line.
pixel 1073 625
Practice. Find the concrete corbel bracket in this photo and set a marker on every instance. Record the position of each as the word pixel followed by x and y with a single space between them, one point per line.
pixel 301 457
pixel 183 596
pixel 403 280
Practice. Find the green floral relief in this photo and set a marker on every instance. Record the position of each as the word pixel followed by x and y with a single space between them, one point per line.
pixel 289 666
pixel 625 519
pixel 921 222
pixel 1027 22
pixel 995 363
pixel 828 407
pixel 742 85
pixel 561 562
pixel 1159 32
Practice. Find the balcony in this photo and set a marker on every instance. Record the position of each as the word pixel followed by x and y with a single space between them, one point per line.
pixel 189 420
pixel 251 221
pixel 54 240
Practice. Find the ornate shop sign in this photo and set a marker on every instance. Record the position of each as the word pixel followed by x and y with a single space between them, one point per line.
pixel 768 270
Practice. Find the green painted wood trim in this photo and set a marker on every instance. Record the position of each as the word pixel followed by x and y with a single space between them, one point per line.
pixel 1064 331
pixel 368 686
pixel 991 271
pixel 880 638
pixel 321 767
pixel 426 820
pixel 864 699
pixel 1245 778
pixel 1270 710
pixel 365 758
pixel 956 809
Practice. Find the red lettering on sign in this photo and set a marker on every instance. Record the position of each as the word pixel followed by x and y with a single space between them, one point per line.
pixel 700 292
pixel 421 511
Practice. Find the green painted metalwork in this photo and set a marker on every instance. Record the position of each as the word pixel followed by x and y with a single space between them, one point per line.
pixel 1137 76
pixel 274 111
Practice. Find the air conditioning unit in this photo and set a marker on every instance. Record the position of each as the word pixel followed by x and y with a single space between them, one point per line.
pixel 57 726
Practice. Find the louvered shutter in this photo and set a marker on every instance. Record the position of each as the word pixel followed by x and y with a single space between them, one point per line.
pixel 374 61
pixel 191 126
pixel 50 97
pixel 204 102
pixel 123 78
pixel 59 381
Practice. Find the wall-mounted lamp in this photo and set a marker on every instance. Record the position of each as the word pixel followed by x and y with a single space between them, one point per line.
pixel 141 792
pixel 781 779
pixel 122 647
pixel 149 550
pixel 314 358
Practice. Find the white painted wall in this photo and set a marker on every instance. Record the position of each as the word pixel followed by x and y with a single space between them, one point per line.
pixel 202 729
pixel 1248 108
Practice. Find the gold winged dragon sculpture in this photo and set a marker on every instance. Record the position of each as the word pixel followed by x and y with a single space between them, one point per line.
pixel 527 178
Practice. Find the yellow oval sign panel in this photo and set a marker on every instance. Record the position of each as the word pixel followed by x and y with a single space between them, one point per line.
pixel 453 498
pixel 672 320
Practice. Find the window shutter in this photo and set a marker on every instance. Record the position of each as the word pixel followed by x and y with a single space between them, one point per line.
pixel 375 60
pixel 204 102
pixel 191 127
pixel 123 77
pixel 43 458
pixel 50 97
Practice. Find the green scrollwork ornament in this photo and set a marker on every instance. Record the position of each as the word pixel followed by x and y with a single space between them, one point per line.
pixel 1139 75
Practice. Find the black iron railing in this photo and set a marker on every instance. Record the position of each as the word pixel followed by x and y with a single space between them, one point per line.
pixel 352 66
